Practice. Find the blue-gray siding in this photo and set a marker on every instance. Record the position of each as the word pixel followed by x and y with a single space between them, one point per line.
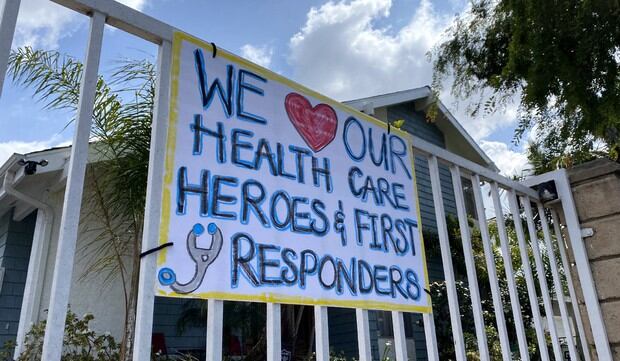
pixel 166 314
pixel 343 331
pixel 15 244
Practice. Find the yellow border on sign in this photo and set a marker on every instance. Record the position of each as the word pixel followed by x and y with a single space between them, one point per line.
pixel 178 38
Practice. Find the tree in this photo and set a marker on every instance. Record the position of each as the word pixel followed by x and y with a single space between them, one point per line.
pixel 121 131
pixel 561 58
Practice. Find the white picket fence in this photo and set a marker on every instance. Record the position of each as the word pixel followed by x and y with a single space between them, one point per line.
pixel 519 196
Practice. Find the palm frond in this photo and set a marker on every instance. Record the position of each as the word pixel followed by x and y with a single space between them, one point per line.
pixel 54 78
pixel 121 127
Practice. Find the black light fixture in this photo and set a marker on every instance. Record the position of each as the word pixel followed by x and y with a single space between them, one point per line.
pixel 30 166
pixel 547 191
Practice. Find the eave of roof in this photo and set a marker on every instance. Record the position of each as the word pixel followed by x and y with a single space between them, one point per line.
pixel 424 95
pixel 398 97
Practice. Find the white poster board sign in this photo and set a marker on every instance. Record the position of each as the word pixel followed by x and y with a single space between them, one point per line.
pixel 274 193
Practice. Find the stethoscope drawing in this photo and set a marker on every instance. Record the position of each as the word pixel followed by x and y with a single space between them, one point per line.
pixel 202 257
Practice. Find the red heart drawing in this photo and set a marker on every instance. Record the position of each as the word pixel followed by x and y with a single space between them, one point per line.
pixel 317 126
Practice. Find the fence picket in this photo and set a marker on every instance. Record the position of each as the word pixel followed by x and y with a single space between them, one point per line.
pixel 157 153
pixel 529 278
pixel 446 258
pixel 322 333
pixel 472 279
pixel 363 334
pixel 8 20
pixel 431 337
pixel 542 281
pixel 215 322
pixel 274 332
pixel 512 286
pixel 571 287
pixel 557 284
pixel 491 269
pixel 400 341
pixel 69 222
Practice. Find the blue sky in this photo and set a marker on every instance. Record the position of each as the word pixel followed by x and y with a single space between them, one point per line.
pixel 345 50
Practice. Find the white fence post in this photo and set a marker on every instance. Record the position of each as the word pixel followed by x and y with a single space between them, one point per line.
pixel 571 287
pixel 321 333
pixel 557 284
pixel 215 323
pixel 8 20
pixel 529 278
pixel 542 281
pixel 400 341
pixel 586 281
pixel 65 254
pixel 274 332
pixel 152 213
pixel 431 337
pixel 491 269
pixel 472 279
pixel 446 257
pixel 363 334
pixel 512 286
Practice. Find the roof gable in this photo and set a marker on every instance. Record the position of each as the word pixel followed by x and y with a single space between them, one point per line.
pixel 457 140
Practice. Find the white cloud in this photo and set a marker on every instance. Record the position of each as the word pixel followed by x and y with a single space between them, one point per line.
pixel 15 146
pixel 510 162
pixel 341 52
pixel 260 55
pixel 136 4
pixel 42 24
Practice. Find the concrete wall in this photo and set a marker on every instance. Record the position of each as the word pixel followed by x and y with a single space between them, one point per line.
pixel 15 244
pixel 596 190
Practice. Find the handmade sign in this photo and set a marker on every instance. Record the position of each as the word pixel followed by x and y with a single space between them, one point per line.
pixel 275 193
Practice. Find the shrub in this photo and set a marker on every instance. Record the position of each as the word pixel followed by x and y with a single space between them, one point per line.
pixel 80 343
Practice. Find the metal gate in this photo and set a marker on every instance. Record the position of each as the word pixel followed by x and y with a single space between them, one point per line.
pixel 522 200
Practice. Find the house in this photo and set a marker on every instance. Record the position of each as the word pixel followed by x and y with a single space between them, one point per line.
pixel 31 200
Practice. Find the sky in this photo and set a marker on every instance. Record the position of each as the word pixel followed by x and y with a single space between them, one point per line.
pixel 343 49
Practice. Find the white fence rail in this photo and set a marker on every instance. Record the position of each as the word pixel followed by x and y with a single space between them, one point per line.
pixel 519 197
